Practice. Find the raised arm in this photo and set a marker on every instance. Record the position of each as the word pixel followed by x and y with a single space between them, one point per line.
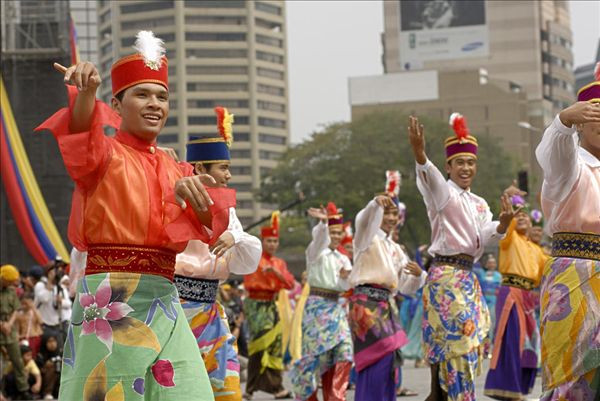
pixel 86 78
pixel 320 235
pixel 430 181
pixel 557 152
pixel 368 222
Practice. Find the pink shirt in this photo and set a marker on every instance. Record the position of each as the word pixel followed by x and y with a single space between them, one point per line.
pixel 571 189
pixel 461 222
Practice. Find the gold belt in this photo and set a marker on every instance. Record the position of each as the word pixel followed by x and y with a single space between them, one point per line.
pixel 576 245
pixel 513 280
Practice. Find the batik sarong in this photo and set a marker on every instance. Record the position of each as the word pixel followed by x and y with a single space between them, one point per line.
pixel 375 326
pixel 456 321
pixel 570 329
pixel 217 346
pixel 129 340
pixel 514 360
pixel 326 341
pixel 265 363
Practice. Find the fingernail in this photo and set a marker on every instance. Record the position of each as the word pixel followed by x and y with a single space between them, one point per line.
pixel 211 202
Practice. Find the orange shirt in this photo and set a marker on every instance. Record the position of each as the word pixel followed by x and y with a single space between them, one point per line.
pixel 268 281
pixel 519 256
pixel 124 192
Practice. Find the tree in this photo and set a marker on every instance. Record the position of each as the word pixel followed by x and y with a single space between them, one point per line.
pixel 346 163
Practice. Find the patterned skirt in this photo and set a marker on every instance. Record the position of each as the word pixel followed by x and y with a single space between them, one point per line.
pixel 217 346
pixel 326 341
pixel 375 326
pixel 456 321
pixel 515 357
pixel 129 340
pixel 570 328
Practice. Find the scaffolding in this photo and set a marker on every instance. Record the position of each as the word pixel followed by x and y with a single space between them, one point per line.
pixel 34 28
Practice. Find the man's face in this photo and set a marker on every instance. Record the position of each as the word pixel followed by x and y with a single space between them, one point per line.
pixel 143 110
pixel 390 220
pixel 219 171
pixel 590 137
pixel 491 264
pixel 536 233
pixel 523 223
pixel 336 234
pixel 462 170
pixel 270 245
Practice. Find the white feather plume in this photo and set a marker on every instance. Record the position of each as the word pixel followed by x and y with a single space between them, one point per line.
pixel 151 48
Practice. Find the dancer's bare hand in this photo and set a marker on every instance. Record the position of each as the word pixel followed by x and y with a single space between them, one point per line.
pixel 507 213
pixel 513 190
pixel 224 242
pixel 84 76
pixel 318 213
pixel 580 113
pixel 413 268
pixel 192 189
pixel 344 274
pixel 416 137
pixel 385 201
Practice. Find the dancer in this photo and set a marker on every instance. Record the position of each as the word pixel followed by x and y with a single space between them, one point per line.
pixel 456 319
pixel 265 363
pixel 380 268
pixel 128 335
pixel 514 359
pixel 326 339
pixel 570 306
pixel 200 268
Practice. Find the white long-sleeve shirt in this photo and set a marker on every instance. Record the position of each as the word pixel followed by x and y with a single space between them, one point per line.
pixel 45 301
pixel 571 188
pixel 461 222
pixel 377 259
pixel 198 262
pixel 324 264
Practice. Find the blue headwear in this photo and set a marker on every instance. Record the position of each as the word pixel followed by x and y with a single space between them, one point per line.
pixel 213 149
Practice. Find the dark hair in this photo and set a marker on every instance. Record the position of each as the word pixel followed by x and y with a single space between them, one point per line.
pixel 25 349
pixel 119 96
pixel 206 166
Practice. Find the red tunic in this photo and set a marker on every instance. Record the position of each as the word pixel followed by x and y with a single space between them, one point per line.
pixel 260 284
pixel 124 192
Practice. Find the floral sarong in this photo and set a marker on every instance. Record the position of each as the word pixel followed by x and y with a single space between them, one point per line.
pixel 570 328
pixel 326 340
pixel 456 320
pixel 217 346
pixel 375 326
pixel 129 341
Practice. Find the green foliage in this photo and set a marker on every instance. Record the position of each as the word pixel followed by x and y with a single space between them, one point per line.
pixel 346 163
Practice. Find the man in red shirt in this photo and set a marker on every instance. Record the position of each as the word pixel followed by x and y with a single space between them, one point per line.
pixel 261 310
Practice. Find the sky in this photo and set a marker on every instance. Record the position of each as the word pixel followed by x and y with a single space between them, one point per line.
pixel 330 41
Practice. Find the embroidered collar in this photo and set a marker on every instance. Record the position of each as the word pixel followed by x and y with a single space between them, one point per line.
pixel 588 158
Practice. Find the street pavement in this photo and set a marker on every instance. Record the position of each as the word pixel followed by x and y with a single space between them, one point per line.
pixel 417 380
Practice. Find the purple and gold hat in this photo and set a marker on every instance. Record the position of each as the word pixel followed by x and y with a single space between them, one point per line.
pixel 591 92
pixel 334 216
pixel 461 143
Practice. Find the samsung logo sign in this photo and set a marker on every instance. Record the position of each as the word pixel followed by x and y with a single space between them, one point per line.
pixel 471 46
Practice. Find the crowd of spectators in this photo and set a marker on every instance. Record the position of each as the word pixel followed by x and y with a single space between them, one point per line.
pixel 35 309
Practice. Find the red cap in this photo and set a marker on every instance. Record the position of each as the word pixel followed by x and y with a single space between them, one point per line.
pixel 132 70
pixel 271 231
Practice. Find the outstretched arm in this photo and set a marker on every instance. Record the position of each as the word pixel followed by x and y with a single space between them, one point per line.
pixel 86 78
pixel 557 152
pixel 320 235
pixel 430 181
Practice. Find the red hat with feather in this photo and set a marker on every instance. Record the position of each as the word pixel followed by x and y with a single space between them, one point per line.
pixel 461 143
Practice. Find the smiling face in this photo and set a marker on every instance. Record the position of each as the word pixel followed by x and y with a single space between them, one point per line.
pixel 523 223
pixel 219 171
pixel 144 109
pixel 390 220
pixel 536 233
pixel 462 170
pixel 336 234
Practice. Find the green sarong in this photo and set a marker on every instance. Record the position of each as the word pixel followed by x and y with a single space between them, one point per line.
pixel 129 340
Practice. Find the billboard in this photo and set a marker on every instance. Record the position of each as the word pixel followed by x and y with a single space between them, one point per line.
pixel 441 30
